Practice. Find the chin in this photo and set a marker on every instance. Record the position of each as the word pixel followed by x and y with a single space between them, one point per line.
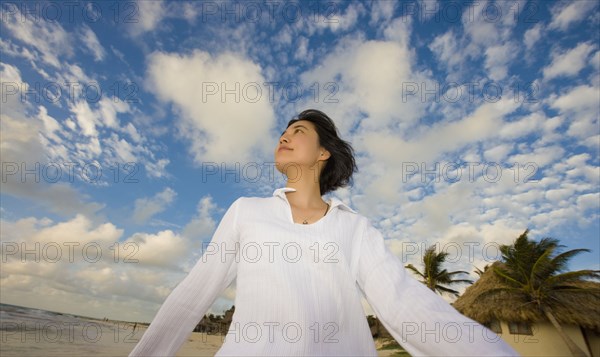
pixel 280 165
pixel 284 166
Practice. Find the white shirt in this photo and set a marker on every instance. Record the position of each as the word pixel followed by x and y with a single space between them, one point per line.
pixel 299 290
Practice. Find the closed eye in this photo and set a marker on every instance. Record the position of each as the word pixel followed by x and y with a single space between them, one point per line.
pixel 295 131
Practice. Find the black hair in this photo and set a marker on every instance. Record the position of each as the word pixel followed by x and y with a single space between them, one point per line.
pixel 340 166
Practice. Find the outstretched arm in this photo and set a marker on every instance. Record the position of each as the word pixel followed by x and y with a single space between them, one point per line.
pixel 189 301
pixel 419 319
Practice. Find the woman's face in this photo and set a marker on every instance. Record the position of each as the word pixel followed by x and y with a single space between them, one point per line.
pixel 299 146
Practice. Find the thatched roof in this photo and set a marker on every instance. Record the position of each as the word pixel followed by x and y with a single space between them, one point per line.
pixel 579 308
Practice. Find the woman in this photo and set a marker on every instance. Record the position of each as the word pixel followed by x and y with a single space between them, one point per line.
pixel 301 264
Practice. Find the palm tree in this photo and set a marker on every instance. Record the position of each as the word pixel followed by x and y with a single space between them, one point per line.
pixel 434 276
pixel 535 273
pixel 480 272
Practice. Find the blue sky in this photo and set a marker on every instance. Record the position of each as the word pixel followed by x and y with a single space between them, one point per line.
pixel 471 122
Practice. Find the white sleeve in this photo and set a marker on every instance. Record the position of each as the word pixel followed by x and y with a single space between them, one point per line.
pixel 188 302
pixel 421 321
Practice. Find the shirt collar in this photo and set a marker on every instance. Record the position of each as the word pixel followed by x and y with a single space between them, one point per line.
pixel 280 192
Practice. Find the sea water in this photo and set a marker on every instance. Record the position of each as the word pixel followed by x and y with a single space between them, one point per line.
pixel 32 332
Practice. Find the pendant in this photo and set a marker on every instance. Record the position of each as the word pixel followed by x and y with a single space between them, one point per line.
pixel 305 222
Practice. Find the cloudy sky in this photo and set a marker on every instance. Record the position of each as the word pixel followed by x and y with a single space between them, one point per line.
pixel 128 128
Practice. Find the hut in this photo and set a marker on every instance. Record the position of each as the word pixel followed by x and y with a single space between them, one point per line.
pixel 525 328
pixel 212 325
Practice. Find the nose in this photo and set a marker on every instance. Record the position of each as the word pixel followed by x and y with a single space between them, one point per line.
pixel 282 140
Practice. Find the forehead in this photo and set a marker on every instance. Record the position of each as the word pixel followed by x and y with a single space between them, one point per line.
pixel 304 124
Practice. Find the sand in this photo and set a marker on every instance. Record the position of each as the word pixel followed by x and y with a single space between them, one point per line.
pixel 95 338
pixel 207 345
pixel 200 344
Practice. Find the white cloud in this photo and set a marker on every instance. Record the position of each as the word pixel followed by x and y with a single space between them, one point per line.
pixel 540 156
pixel 595 63
pixel 558 194
pixel 580 105
pixel 577 168
pixel 122 149
pixel 51 125
pixel 190 11
pixel 91 271
pixel 108 110
pixel 522 127
pixel 145 208
pixel 484 122
pixel 532 36
pixel 8 48
pixel 568 63
pixel 222 104
pixel 88 136
pixel 284 37
pixel 347 20
pixel 163 249
pixel 482 34
pixel 578 98
pixel 92 44
pixel 498 153
pixel 202 224
pixel 381 12
pixel 387 156
pixel 62 244
pixel 133 133
pixel 104 137
pixel 79 229
pixel 21 144
pixel 554 216
pixel 589 201
pixel 302 53
pixel 49 39
pixel 86 118
pixel 568 13
pixel 373 79
pixel 157 169
pixel 149 14
pixel 497 59
pixel 479 27
pixel 427 9
pixel 333 19
pixel 399 30
pixel 445 48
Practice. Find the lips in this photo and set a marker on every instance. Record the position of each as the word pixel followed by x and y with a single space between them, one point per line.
pixel 284 148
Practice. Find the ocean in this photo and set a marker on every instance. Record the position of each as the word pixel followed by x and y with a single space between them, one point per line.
pixel 32 332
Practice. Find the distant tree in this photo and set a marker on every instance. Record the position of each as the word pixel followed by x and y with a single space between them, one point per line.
pixel 434 276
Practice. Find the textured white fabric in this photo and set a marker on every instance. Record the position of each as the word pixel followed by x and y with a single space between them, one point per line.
pixel 299 289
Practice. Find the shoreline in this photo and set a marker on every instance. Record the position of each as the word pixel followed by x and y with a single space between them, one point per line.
pixel 62 334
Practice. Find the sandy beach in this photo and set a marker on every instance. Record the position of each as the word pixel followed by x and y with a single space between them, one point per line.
pixel 89 337
pixel 100 338
pixel 32 332
pixel 200 344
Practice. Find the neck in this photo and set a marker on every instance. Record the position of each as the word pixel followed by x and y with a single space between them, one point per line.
pixel 306 196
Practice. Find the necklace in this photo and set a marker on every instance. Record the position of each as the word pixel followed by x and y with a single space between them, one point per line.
pixel 306 219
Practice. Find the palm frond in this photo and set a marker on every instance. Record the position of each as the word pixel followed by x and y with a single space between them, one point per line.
pixel 573 276
pixel 415 270
pixel 560 261
pixel 447 290
pixel 502 273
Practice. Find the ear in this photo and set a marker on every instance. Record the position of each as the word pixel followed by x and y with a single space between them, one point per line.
pixel 324 155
